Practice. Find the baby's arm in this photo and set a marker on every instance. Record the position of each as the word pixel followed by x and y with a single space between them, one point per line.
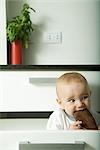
pixel 53 122
pixel 52 125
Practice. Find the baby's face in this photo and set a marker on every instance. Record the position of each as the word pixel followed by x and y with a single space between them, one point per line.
pixel 74 96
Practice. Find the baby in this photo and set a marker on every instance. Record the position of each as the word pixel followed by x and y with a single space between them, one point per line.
pixel 73 94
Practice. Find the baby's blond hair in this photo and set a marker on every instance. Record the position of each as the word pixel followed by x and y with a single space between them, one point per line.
pixel 70 77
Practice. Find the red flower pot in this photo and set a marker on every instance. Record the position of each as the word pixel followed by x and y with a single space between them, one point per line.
pixel 16 52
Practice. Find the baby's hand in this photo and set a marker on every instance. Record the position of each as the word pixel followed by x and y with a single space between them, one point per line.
pixel 76 125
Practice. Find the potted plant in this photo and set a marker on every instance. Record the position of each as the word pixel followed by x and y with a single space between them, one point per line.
pixel 18 33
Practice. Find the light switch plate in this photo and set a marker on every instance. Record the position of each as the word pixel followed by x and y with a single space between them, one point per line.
pixel 52 37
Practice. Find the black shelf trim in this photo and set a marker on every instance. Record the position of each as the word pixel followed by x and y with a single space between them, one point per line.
pixel 49 67
pixel 26 115
pixel 20 115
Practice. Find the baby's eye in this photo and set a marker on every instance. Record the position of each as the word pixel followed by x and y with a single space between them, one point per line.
pixel 85 97
pixel 71 100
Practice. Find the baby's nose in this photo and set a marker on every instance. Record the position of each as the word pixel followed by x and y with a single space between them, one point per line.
pixel 79 103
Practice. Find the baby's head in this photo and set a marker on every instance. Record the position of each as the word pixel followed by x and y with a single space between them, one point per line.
pixel 73 92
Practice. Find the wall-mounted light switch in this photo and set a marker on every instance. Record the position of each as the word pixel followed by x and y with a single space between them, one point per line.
pixel 52 37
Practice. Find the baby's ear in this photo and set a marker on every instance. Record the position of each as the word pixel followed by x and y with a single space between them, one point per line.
pixel 60 103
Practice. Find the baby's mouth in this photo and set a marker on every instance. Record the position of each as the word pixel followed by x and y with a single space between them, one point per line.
pixel 82 109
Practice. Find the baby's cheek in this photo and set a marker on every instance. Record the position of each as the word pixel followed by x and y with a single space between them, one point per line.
pixel 69 110
pixel 88 104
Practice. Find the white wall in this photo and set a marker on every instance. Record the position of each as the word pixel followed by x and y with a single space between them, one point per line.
pixel 77 20
pixel 3 48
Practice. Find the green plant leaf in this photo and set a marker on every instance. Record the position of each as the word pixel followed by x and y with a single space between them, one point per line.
pixel 20 27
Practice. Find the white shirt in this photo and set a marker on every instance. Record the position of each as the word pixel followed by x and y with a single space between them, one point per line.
pixel 59 120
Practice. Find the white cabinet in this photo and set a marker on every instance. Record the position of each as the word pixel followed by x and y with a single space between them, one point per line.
pixel 27 91
pixel 35 90
pixel 10 140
